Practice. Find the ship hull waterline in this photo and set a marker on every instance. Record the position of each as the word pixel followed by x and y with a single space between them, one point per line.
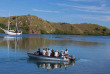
pixel 11 33
pixel 48 58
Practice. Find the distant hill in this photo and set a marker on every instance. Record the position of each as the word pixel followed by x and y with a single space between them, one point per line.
pixel 34 25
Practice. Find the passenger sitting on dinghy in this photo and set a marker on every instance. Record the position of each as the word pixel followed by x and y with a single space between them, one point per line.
pixel 44 52
pixel 48 52
pixel 56 53
pixel 62 53
pixel 52 54
pixel 38 52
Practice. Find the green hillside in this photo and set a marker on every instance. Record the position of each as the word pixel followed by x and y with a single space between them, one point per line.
pixel 34 25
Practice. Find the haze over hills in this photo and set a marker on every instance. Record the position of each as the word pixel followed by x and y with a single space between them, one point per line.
pixel 34 25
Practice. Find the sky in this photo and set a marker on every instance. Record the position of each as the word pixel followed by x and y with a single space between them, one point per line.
pixel 68 11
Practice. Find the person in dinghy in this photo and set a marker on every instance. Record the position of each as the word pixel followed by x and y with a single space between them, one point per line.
pixel 38 52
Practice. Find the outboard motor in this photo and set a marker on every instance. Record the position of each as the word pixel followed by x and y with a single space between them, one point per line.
pixel 72 57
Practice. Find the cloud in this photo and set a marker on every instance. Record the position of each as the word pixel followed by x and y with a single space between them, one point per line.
pixel 87 0
pixel 91 17
pixel 100 18
pixel 3 10
pixel 79 0
pixel 96 11
pixel 88 8
pixel 103 3
pixel 79 6
pixel 46 11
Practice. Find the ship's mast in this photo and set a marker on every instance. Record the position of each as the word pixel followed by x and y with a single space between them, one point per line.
pixel 9 22
pixel 16 24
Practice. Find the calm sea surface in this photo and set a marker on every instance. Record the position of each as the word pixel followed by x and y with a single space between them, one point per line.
pixel 92 54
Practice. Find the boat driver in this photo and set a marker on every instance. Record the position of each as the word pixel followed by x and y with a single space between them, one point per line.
pixel 66 52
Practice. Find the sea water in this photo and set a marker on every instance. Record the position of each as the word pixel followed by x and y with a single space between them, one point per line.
pixel 92 54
